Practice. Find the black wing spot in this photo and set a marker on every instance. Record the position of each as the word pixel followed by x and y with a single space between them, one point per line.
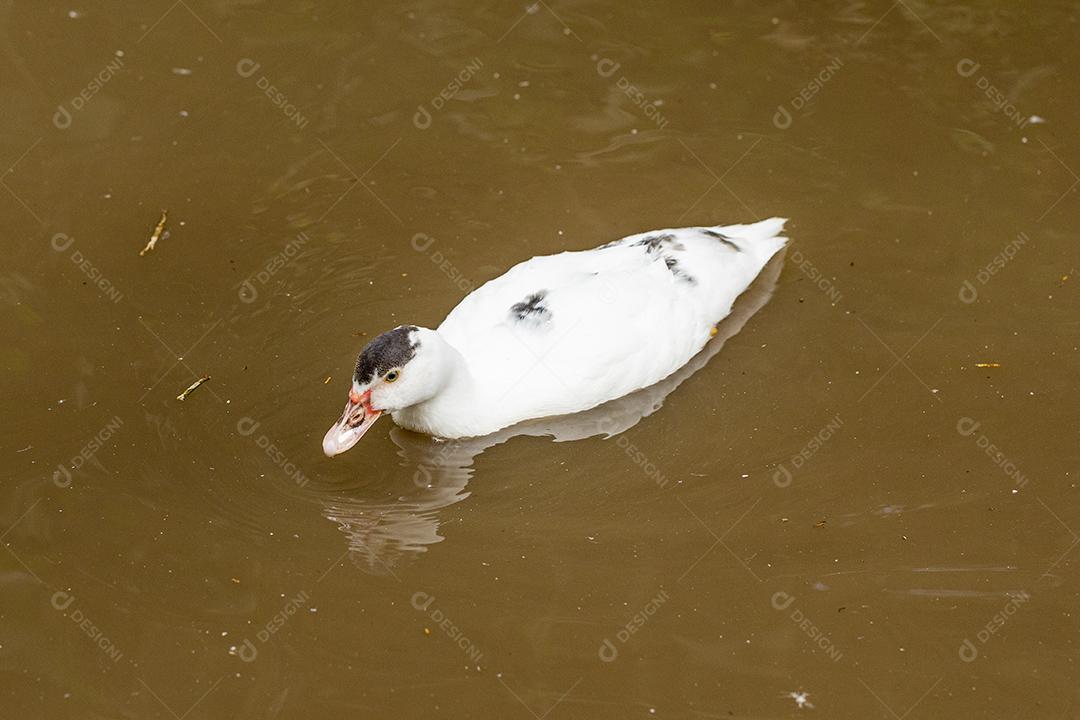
pixel 677 271
pixel 654 243
pixel 721 237
pixel 531 308
pixel 391 349
pixel 663 246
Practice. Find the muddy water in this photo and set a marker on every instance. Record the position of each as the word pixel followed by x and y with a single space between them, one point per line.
pixel 866 494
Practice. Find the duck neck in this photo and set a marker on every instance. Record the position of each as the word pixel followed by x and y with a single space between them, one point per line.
pixel 447 412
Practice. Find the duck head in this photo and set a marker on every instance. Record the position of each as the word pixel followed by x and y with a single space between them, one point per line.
pixel 396 370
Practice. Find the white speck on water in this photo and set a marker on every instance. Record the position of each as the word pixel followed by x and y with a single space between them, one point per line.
pixel 181 71
pixel 74 14
pixel 523 83
pixel 1036 120
pixel 802 700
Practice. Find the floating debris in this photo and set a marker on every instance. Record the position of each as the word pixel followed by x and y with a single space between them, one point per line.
pixel 988 365
pixel 327 380
pixel 802 700
pixel 157 233
pixel 191 388
pixel 819 524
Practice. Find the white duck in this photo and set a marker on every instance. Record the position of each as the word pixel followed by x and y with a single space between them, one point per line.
pixel 403 517
pixel 558 334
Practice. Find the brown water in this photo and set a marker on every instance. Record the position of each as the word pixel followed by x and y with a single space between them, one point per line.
pixel 842 502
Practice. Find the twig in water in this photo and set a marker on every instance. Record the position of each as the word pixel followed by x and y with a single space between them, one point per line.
pixel 157 233
pixel 191 387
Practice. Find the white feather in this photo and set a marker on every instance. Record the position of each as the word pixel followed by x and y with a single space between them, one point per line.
pixel 615 319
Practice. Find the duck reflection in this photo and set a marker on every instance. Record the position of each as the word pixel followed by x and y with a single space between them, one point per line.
pixel 405 521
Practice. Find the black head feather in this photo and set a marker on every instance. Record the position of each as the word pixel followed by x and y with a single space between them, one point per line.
pixel 389 350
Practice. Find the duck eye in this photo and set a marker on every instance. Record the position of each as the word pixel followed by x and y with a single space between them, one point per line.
pixel 392 375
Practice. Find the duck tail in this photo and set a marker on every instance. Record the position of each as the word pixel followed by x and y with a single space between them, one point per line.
pixel 762 239
pixel 765 230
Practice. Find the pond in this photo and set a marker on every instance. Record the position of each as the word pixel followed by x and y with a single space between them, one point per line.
pixel 856 502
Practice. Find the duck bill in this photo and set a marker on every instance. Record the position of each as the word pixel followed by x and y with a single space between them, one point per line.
pixel 346 432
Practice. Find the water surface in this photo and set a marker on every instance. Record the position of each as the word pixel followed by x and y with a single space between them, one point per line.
pixel 866 494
